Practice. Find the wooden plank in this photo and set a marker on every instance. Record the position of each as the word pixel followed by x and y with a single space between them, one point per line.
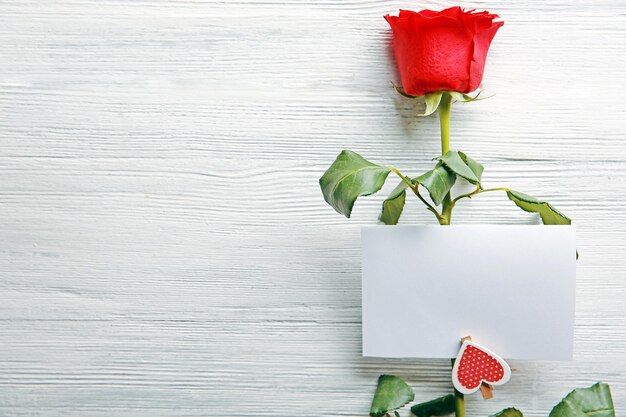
pixel 165 249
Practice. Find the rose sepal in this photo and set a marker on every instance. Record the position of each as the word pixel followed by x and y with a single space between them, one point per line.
pixel 432 100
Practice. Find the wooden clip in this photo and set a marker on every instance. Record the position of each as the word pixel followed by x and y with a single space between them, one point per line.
pixel 486 390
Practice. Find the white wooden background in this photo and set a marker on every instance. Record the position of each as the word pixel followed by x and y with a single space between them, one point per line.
pixel 164 246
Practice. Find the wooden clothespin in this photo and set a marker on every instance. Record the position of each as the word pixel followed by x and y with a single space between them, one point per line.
pixel 478 368
pixel 486 390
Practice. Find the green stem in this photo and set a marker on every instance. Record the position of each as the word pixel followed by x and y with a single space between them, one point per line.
pixel 459 400
pixel 403 177
pixel 415 190
pixel 444 121
pixel 428 205
pixel 479 191
pixel 459 404
pixel 486 190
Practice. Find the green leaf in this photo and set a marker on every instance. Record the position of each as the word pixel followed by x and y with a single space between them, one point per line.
pixel 476 168
pixel 508 412
pixel 549 215
pixel 432 101
pixel 594 401
pixel 438 181
pixel 392 393
pixel 441 406
pixel 393 205
pixel 455 163
pixel 350 177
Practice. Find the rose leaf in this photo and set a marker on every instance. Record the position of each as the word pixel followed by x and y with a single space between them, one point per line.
pixel 438 181
pixel 392 393
pixel 508 412
pixel 476 168
pixel 453 161
pixel 549 215
pixel 441 406
pixel 350 177
pixel 394 204
pixel 594 401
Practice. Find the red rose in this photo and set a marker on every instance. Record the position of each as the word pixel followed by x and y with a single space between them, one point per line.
pixel 442 51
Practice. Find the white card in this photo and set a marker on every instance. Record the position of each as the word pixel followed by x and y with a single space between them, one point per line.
pixel 512 288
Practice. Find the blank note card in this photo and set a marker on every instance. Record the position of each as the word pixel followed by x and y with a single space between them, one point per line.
pixel 512 288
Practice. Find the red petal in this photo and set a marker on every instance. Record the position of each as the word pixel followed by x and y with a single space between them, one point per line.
pixel 391 20
pixel 407 13
pixel 433 53
pixel 482 41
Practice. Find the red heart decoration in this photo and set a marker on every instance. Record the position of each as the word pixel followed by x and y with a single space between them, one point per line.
pixel 474 365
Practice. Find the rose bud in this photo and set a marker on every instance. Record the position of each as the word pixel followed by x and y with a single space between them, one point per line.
pixel 442 51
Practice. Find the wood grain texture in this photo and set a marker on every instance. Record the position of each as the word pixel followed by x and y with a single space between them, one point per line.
pixel 165 249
